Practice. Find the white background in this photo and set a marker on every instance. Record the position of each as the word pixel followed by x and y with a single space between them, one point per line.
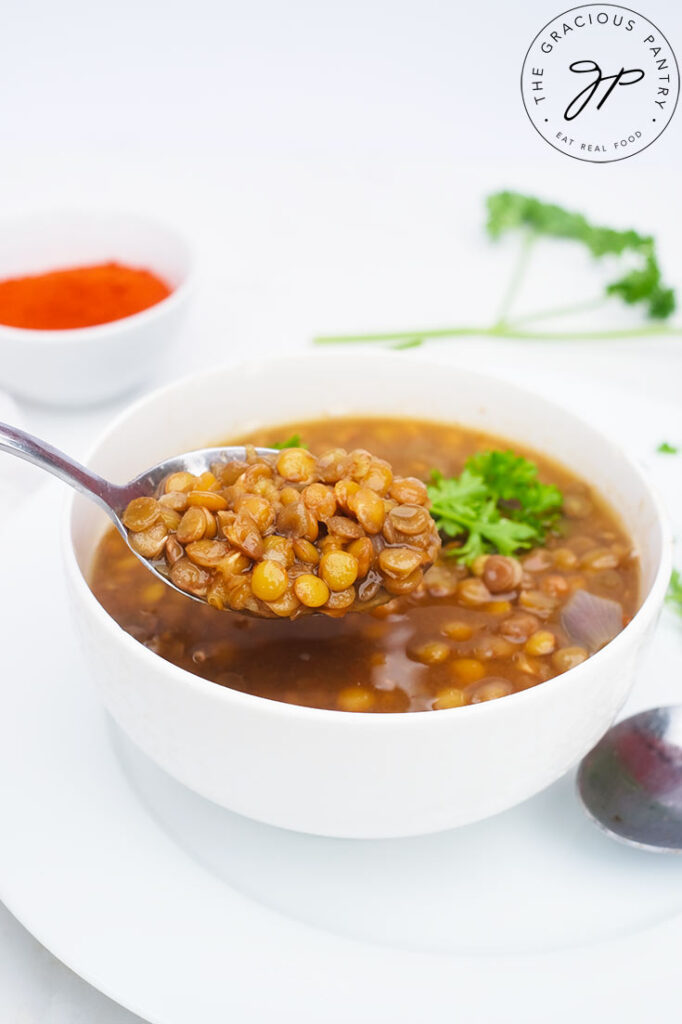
pixel 328 160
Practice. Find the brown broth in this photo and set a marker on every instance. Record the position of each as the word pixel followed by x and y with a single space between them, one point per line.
pixel 414 653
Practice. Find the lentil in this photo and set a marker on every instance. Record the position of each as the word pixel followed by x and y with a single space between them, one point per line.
pixel 501 574
pixel 449 697
pixel 467 670
pixel 568 657
pixel 432 653
pixel 542 642
pixel 491 689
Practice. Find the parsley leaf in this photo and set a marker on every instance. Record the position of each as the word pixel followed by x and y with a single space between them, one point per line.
pixel 291 442
pixel 674 595
pixel 497 504
pixel 513 482
pixel 511 210
pixel 667 449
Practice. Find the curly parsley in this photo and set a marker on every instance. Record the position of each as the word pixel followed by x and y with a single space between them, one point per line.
pixel 496 503
pixel 291 442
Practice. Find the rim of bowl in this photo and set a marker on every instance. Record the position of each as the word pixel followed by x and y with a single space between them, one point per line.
pixel 207 688
pixel 97 331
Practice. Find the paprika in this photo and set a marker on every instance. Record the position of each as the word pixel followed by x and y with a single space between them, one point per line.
pixel 78 297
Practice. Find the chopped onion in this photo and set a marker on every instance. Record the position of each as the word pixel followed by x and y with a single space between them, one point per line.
pixel 592 621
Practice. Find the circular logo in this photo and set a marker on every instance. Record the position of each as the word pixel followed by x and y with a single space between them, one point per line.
pixel 600 82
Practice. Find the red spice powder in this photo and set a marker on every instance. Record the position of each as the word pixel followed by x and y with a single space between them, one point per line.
pixel 78 297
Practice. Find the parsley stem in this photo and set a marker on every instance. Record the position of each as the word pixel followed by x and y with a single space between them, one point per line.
pixel 501 331
pixel 409 337
pixel 517 277
pixel 409 343
pixel 645 331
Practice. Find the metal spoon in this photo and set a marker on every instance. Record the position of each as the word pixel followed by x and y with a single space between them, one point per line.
pixel 631 782
pixel 112 497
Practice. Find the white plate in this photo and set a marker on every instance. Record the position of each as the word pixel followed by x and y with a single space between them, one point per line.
pixel 183 912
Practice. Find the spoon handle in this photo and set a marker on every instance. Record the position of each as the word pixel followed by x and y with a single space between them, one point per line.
pixel 40 453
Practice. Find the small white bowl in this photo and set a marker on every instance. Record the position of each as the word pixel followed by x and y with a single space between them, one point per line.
pixel 338 773
pixel 85 365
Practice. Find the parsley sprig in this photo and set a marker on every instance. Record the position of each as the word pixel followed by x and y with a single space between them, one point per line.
pixel 291 442
pixel 496 504
pixel 640 285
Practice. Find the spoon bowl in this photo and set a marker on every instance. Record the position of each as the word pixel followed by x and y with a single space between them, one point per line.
pixel 148 483
pixel 631 782
pixel 114 498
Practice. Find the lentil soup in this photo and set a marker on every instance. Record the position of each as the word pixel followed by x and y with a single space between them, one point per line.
pixel 465 635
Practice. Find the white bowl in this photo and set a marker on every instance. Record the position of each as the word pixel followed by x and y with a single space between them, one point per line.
pixel 341 773
pixel 90 364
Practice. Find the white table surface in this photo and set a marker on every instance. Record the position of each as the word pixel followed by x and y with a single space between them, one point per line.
pixel 329 162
